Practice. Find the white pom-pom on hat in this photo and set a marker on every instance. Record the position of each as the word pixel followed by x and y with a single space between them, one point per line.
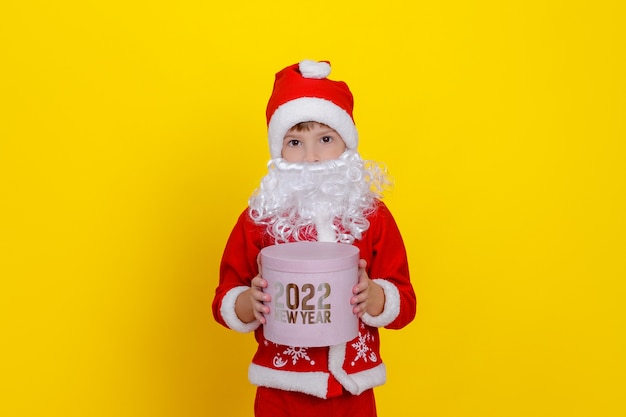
pixel 314 69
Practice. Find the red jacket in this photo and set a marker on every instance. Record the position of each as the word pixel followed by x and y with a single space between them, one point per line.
pixel 321 371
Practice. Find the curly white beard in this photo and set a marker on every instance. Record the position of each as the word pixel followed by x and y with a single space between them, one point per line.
pixel 327 200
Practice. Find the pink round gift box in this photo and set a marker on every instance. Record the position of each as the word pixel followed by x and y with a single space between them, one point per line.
pixel 311 285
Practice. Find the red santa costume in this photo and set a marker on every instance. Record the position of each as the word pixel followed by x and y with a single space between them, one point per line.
pixel 334 201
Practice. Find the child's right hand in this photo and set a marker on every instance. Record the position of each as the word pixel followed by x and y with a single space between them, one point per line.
pixel 249 305
pixel 258 298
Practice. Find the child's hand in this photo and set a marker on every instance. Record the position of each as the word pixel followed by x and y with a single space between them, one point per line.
pixel 368 296
pixel 258 297
pixel 249 305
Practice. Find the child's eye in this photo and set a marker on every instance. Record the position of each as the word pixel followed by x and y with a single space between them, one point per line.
pixel 327 139
pixel 293 142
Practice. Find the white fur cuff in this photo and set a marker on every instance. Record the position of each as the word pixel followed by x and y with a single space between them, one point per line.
pixel 391 310
pixel 227 310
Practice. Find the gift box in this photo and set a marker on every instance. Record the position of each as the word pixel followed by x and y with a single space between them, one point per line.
pixel 310 284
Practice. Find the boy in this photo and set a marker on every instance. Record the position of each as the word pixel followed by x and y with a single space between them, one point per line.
pixel 317 188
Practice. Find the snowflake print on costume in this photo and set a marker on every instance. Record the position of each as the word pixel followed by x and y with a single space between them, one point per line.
pixel 362 348
pixel 296 353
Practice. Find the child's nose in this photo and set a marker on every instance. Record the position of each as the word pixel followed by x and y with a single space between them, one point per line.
pixel 311 155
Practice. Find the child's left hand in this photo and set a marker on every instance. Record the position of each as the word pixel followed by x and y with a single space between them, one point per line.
pixel 368 296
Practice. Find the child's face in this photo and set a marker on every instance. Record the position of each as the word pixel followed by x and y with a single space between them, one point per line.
pixel 319 143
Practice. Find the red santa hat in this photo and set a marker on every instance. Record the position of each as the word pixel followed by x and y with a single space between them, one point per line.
pixel 302 93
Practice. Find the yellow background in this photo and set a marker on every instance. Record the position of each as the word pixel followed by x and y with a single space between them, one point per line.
pixel 133 132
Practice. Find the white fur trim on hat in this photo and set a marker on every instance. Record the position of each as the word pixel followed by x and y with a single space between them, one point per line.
pixel 301 110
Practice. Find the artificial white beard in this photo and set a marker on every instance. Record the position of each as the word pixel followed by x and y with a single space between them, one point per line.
pixel 328 200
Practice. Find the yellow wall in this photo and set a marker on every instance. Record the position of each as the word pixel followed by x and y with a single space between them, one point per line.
pixel 132 133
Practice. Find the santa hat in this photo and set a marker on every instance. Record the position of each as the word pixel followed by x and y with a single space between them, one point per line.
pixel 302 93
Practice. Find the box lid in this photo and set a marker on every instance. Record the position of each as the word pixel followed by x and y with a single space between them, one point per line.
pixel 309 257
